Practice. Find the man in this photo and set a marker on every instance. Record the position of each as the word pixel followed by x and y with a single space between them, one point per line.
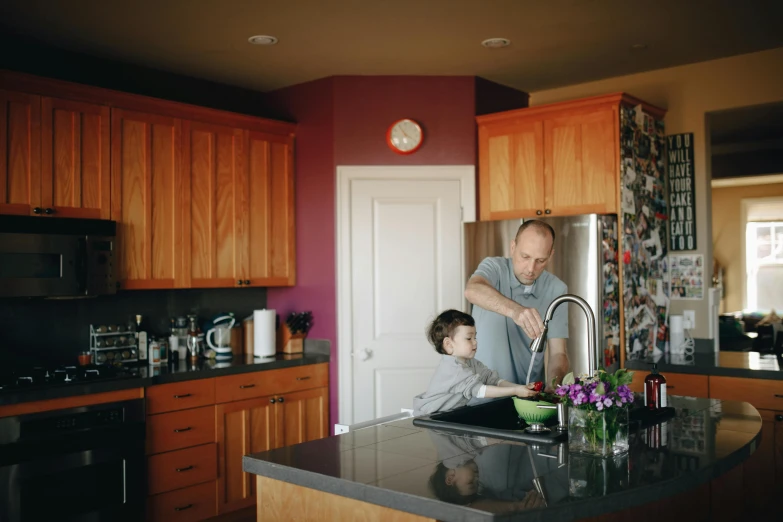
pixel 510 296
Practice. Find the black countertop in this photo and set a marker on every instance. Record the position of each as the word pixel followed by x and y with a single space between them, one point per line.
pixel 393 464
pixel 143 376
pixel 751 365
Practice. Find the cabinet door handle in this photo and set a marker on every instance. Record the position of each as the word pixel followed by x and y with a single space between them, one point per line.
pixel 183 429
pixel 247 281
pixel 669 387
pixel 179 470
pixel 280 399
pixel 271 401
pixel 547 211
pixel 183 508
pixel 779 396
pixel 37 210
pixel 239 282
pixel 243 386
pixel 779 417
pixel 48 211
pixel 182 396
pixel 302 378
pixel 538 212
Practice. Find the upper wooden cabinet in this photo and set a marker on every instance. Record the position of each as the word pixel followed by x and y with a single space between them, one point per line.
pixel 75 153
pixel 202 198
pixel 561 159
pixel 147 199
pixel 20 153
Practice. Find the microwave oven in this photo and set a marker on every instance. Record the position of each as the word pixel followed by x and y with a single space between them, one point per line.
pixel 57 257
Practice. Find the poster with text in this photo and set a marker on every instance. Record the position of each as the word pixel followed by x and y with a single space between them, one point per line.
pixel 682 203
pixel 687 276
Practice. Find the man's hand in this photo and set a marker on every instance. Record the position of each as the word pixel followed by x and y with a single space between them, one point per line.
pixel 529 320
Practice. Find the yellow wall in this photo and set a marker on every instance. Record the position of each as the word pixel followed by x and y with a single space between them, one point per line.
pixel 689 93
pixel 726 236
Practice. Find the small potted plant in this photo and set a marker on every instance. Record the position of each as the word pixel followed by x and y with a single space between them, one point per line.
pixel 597 412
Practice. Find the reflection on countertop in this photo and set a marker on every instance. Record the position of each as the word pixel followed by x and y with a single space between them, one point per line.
pixel 451 476
pixel 752 365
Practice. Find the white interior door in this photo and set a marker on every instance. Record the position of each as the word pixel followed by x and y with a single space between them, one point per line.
pixel 406 267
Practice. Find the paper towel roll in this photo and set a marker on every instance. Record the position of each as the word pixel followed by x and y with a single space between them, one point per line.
pixel 676 335
pixel 264 333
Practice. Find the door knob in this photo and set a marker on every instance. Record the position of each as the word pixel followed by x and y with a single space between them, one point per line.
pixel 48 211
pixel 538 212
pixel 364 354
pixel 281 399
pixel 247 281
pixel 547 211
pixel 37 210
pixel 240 282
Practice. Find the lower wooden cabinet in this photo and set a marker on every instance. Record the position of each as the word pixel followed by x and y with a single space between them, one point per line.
pixel 684 384
pixel 181 468
pixel 186 505
pixel 262 424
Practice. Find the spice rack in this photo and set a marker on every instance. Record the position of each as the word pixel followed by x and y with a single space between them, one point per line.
pixel 105 349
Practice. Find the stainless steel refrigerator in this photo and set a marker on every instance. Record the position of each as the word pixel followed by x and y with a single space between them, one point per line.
pixel 585 259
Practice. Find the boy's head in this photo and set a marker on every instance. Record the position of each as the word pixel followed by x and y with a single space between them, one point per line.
pixel 453 333
pixel 457 486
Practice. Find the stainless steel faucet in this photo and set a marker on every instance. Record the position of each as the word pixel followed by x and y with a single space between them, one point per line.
pixel 592 334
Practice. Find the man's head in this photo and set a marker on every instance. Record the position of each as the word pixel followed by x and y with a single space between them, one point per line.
pixel 531 250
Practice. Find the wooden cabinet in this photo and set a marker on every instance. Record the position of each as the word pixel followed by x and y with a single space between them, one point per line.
pixel 268 211
pixel 552 160
pixel 20 153
pixel 75 153
pixel 262 424
pixel 683 384
pixel 183 505
pixel 146 199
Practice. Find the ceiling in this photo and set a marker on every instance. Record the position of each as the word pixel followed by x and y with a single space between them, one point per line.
pixel 554 42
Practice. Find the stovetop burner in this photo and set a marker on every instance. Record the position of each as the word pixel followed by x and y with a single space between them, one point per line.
pixel 39 377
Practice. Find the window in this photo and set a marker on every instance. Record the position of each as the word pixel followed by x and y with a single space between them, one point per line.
pixel 764 265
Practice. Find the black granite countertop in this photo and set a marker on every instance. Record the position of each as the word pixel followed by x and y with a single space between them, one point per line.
pixel 394 465
pixel 143 376
pixel 751 365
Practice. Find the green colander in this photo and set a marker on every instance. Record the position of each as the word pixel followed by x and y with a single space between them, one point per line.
pixel 530 412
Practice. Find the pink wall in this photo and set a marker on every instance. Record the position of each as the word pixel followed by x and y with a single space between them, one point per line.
pixel 343 120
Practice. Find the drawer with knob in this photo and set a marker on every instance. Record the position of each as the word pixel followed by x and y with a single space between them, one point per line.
pixel 180 395
pixel 270 382
pixel 188 504
pixel 180 429
pixel 181 468
pixel 761 393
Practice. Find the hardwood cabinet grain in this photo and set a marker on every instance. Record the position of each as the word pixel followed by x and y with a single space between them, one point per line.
pixel 20 153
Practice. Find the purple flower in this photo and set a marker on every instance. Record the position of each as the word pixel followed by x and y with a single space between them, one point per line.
pixel 608 401
pixel 562 390
pixel 599 406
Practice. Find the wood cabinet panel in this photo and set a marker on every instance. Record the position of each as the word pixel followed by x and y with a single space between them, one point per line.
pixel 75 153
pixel 684 384
pixel 778 453
pixel 243 427
pixel 213 162
pixel 180 395
pixel 581 162
pixel 180 429
pixel 305 416
pixel 762 393
pixel 513 157
pixel 181 468
pixel 272 382
pixel 184 505
pixel 758 473
pixel 20 153
pixel 268 215
pixel 146 196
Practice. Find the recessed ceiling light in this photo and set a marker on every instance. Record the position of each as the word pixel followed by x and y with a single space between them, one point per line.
pixel 496 43
pixel 262 39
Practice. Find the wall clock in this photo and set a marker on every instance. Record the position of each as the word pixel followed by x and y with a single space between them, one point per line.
pixel 404 136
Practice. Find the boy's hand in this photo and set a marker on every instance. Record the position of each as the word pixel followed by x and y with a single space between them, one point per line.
pixel 527 390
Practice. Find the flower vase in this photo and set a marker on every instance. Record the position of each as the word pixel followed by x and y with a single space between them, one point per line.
pixel 598 433
pixel 590 477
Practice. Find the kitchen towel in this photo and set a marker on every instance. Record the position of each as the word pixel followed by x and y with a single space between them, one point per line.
pixel 264 333
pixel 676 335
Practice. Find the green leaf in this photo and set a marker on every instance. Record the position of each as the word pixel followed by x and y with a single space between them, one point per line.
pixel 568 379
pixel 625 378
pixel 600 389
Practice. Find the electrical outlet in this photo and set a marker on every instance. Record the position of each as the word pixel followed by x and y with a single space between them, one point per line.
pixel 689 319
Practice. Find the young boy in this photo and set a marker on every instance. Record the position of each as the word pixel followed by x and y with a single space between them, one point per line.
pixel 459 377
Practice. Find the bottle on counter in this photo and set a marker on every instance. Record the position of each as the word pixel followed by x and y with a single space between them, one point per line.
pixel 655 389
pixel 154 352
pixel 141 339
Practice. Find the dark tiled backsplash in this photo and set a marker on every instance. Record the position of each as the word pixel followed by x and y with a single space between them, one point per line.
pixel 50 331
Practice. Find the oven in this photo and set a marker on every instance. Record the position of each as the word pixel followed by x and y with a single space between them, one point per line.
pixel 84 464
pixel 56 257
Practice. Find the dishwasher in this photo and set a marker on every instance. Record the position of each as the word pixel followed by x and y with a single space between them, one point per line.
pixel 84 464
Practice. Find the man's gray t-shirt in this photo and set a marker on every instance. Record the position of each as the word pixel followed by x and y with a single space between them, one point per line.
pixel 502 345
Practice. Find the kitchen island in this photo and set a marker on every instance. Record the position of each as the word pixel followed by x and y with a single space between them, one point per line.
pixel 398 471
